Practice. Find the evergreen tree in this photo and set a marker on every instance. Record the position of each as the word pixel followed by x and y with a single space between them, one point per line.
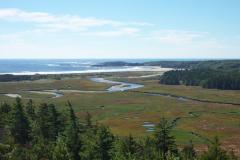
pixel 129 147
pixel 20 128
pixel 188 152
pixel 164 141
pixel 19 153
pixel 43 122
pixel 89 149
pixel 215 152
pixel 41 149
pixel 5 108
pixel 148 149
pixel 88 120
pixel 104 143
pixel 54 122
pixel 48 122
pixel 72 137
pixel 30 110
pixel 60 151
pixel 4 151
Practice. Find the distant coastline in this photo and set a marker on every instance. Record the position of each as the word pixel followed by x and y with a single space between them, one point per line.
pixel 127 69
pixel 70 66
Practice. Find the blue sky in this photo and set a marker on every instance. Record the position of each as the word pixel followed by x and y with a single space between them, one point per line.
pixel 120 29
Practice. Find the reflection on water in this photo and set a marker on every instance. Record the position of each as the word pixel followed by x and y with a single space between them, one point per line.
pixel 150 127
pixel 119 86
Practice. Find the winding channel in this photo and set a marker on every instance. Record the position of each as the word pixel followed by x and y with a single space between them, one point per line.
pixel 117 86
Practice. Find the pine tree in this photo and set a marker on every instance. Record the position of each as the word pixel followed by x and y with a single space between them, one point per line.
pixel 104 143
pixel 165 143
pixel 4 151
pixel 54 122
pixel 41 149
pixel 48 122
pixel 5 108
pixel 43 121
pixel 148 151
pixel 60 151
pixel 129 147
pixel 215 152
pixel 88 120
pixel 5 117
pixel 72 137
pixel 30 110
pixel 189 152
pixel 20 128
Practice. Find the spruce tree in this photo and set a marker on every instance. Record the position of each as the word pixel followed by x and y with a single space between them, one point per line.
pixel 72 137
pixel 105 141
pixel 30 110
pixel 20 128
pixel 43 123
pixel 215 152
pixel 88 120
pixel 129 147
pixel 5 108
pixel 188 152
pixel 54 122
pixel 60 151
pixel 165 143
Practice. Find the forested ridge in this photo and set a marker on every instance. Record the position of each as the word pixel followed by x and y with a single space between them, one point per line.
pixel 30 132
pixel 205 77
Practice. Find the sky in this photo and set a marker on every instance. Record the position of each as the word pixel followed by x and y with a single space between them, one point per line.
pixel 166 29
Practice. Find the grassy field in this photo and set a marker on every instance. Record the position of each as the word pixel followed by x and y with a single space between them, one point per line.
pixel 126 112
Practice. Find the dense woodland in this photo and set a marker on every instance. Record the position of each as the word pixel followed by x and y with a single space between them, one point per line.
pixel 205 77
pixel 29 132
pixel 227 65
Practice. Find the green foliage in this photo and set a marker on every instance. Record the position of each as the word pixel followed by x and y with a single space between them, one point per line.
pixel 204 77
pixel 30 111
pixel 105 141
pixel 41 149
pixel 5 108
pixel 4 151
pixel 72 134
pixel 165 143
pixel 88 120
pixel 215 152
pixel 129 147
pixel 19 153
pixel 56 138
pixel 188 152
pixel 20 128
pixel 60 151
pixel 48 121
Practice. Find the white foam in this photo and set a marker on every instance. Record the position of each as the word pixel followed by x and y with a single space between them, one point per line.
pixel 53 65
pixel 13 95
pixel 144 68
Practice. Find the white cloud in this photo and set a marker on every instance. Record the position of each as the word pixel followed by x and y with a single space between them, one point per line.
pixel 61 22
pixel 177 37
pixel 114 33
pixel 71 34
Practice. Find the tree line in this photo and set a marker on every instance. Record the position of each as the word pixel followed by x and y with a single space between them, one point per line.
pixel 205 77
pixel 29 132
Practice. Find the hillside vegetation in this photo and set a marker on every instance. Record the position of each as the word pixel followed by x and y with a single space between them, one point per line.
pixel 29 132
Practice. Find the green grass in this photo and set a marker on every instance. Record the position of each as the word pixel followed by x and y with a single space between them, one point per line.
pixel 125 112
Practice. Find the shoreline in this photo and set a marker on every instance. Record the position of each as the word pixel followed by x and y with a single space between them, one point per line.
pixel 132 69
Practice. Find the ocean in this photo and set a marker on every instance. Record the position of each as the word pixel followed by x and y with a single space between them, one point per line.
pixel 58 66
pixel 63 66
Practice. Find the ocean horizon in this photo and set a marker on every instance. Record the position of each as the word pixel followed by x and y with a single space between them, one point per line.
pixel 64 66
pixel 71 66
